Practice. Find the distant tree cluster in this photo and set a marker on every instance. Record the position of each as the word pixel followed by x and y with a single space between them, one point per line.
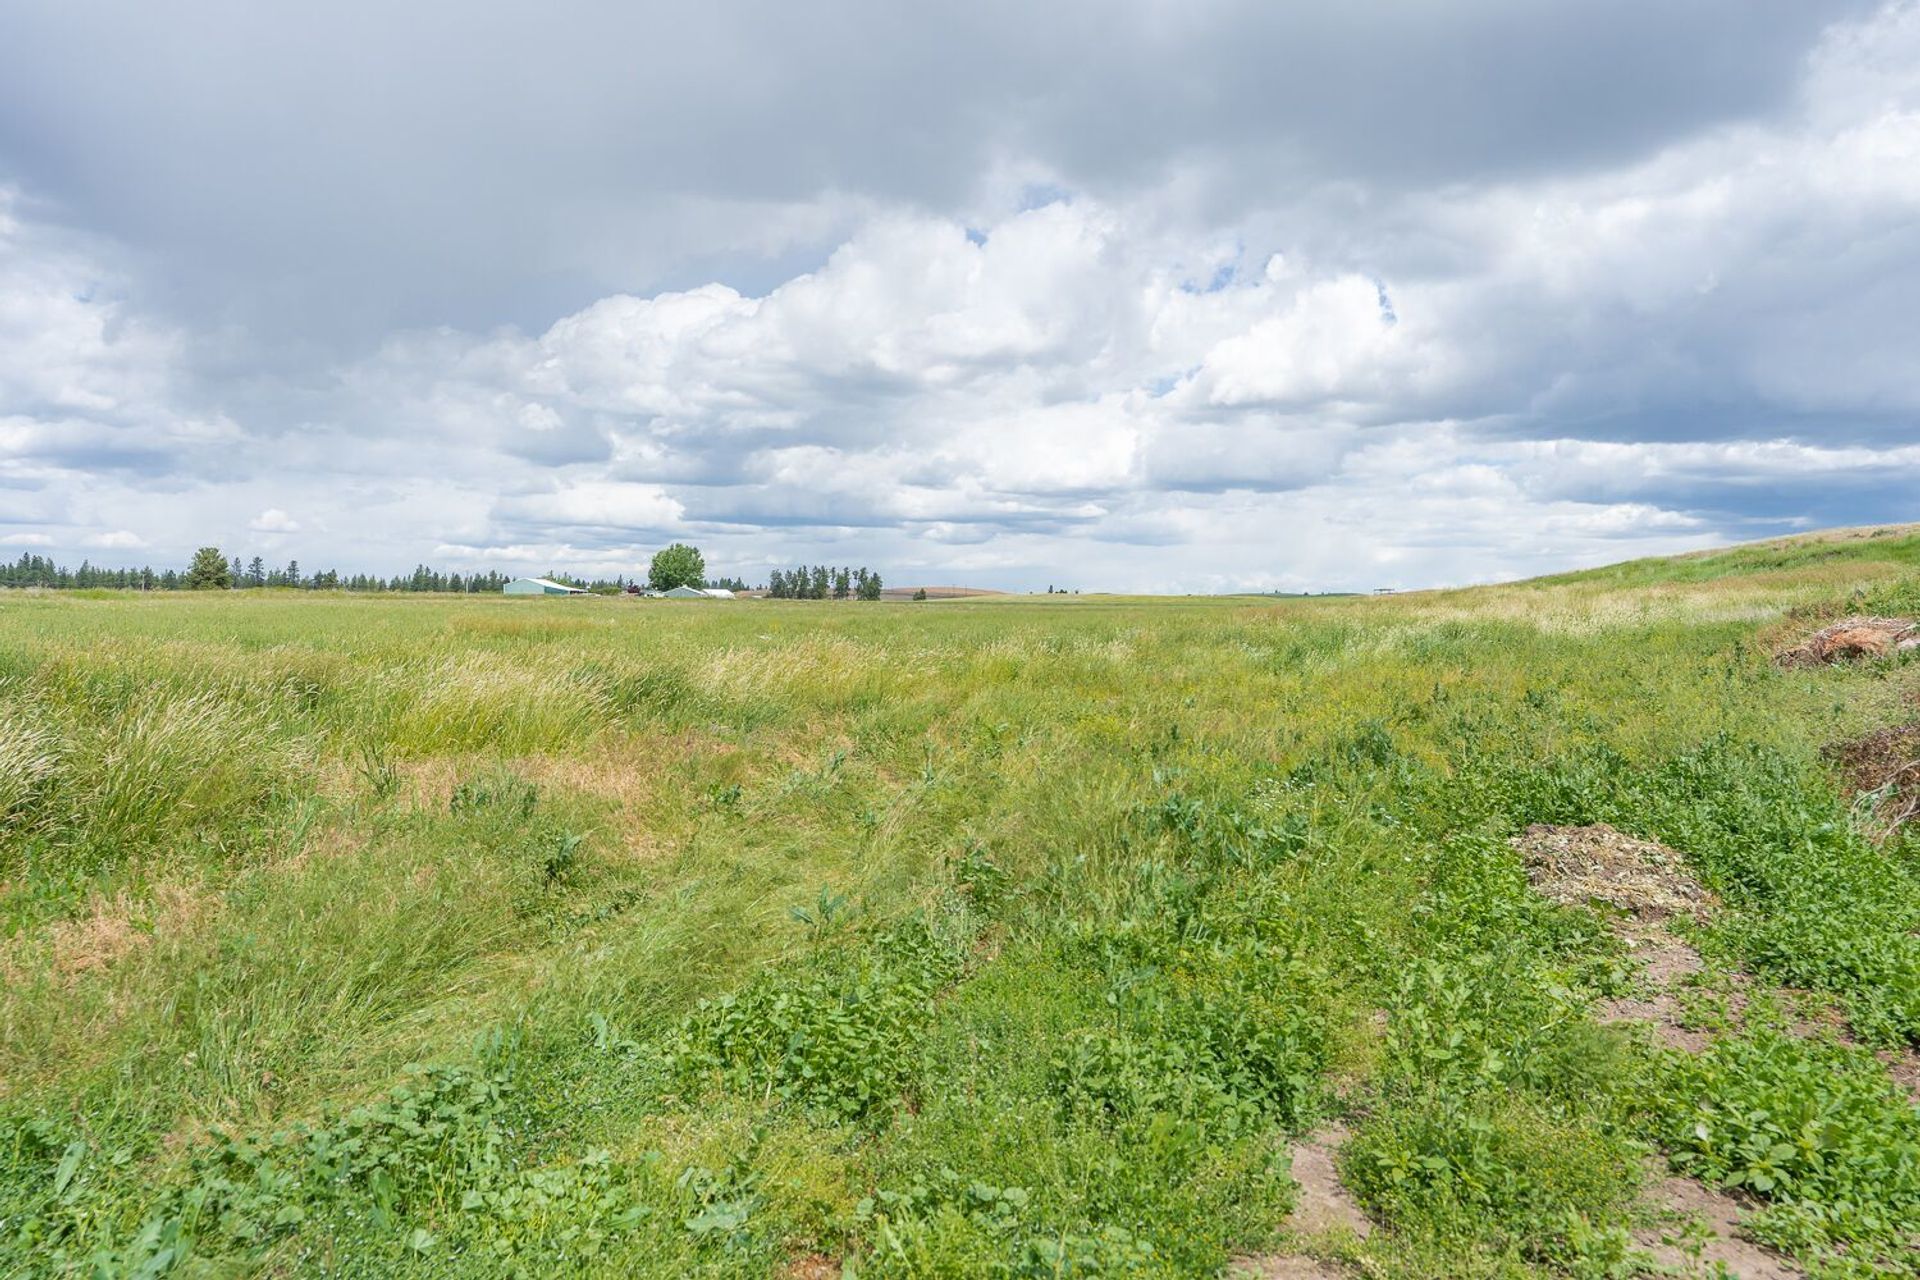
pixel 212 570
pixel 38 571
pixel 818 582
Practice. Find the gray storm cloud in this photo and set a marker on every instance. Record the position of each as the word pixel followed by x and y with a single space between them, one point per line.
pixel 1180 297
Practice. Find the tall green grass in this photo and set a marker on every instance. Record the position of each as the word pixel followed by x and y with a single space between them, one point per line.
pixel 476 937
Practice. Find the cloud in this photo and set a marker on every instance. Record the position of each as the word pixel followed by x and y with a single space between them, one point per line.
pixel 594 504
pixel 273 520
pixel 634 139
pixel 116 540
pixel 1339 304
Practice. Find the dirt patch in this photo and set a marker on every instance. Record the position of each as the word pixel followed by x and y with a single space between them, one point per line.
pixel 1851 639
pixel 1718 1214
pixel 811 1266
pixel 116 928
pixel 1324 1204
pixel 1666 963
pixel 1577 866
pixel 1883 768
pixel 1904 1066
pixel 1285 1266
pixel 324 844
pixel 1322 1207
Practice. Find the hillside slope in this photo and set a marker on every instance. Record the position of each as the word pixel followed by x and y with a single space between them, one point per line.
pixel 1480 933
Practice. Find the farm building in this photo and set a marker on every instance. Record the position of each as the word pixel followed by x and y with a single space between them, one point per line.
pixel 539 587
pixel 695 593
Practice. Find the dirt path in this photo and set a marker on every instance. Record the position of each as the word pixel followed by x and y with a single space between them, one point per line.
pixel 1324 1204
pixel 1666 963
pixel 1649 884
pixel 1324 1207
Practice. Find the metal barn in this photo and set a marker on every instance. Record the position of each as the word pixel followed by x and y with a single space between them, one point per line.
pixel 539 587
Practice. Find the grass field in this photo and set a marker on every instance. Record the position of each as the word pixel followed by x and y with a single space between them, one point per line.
pixel 438 936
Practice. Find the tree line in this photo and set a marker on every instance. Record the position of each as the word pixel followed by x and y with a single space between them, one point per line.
pixel 819 582
pixel 212 570
pixel 202 575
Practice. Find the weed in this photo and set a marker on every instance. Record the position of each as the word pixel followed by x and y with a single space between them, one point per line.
pixel 840 1036
pixel 1815 1128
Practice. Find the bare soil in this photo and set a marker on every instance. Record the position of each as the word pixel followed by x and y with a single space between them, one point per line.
pixel 1666 963
pixel 1721 1213
pixel 1323 1206
pixel 1904 1066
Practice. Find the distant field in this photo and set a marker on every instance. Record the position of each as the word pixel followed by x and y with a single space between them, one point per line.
pixel 471 936
pixel 937 593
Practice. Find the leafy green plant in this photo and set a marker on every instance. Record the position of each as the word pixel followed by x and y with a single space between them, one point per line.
pixel 840 1037
pixel 1817 1128
pixel 1490 1166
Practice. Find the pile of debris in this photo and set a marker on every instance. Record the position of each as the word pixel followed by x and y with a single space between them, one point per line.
pixel 1852 638
pixel 1576 866
pixel 1882 769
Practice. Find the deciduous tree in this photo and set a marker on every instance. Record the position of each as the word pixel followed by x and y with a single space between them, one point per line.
pixel 677 566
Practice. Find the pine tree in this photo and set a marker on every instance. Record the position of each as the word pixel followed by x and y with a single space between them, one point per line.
pixel 209 571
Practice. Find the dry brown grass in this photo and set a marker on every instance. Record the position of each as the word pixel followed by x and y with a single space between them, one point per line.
pixel 1851 639
pixel 108 931
pixel 1882 769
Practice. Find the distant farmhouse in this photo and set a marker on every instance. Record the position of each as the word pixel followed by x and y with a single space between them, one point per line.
pixel 540 587
pixel 694 593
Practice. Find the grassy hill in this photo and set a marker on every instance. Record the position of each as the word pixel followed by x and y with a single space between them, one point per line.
pixel 452 936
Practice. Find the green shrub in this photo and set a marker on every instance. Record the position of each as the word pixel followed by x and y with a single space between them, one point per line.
pixel 944 1225
pixel 1816 1128
pixel 842 1036
pixel 1496 1170
pixel 1231 1065
pixel 434 1149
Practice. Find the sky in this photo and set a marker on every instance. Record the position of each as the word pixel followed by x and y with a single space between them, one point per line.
pixel 1142 295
